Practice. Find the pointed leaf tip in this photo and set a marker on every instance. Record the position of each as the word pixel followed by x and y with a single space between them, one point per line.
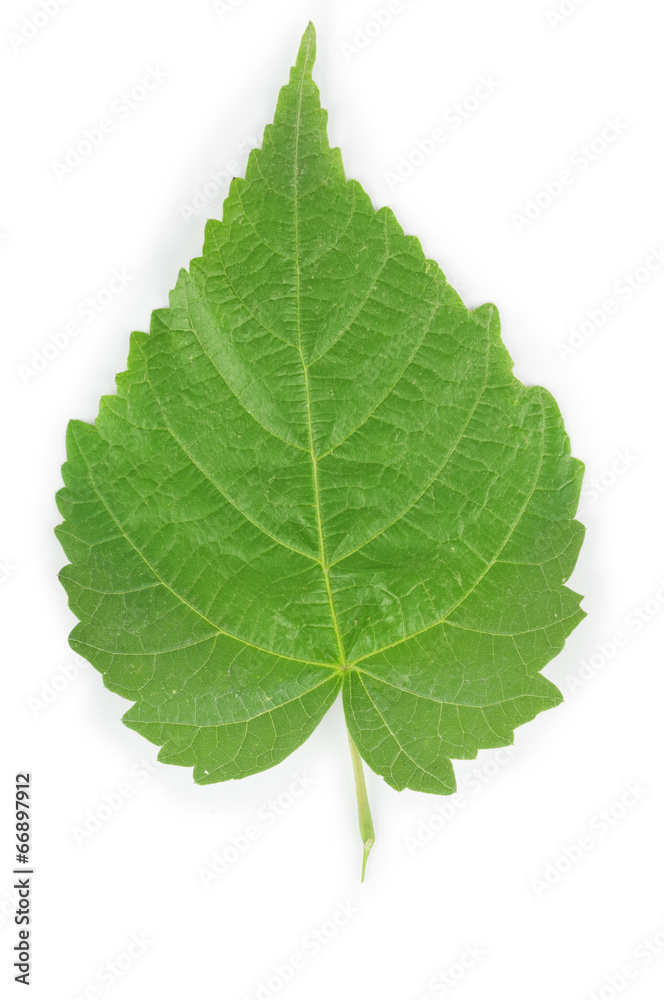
pixel 306 56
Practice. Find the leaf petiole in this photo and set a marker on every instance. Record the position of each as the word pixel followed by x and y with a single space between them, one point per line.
pixel 363 810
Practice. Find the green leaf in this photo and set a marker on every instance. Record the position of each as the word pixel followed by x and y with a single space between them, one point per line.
pixel 320 475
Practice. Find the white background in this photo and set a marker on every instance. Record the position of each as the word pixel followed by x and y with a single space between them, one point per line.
pixel 479 880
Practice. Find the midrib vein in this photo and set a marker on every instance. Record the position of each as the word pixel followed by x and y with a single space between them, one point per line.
pixel 305 370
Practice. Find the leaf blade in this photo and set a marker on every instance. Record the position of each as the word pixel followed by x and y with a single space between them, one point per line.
pixel 319 472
